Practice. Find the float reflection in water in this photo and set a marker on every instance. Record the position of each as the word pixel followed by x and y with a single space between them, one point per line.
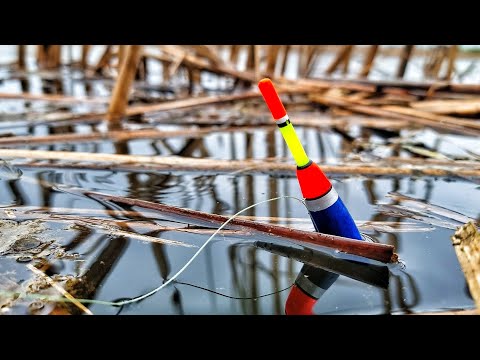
pixel 323 270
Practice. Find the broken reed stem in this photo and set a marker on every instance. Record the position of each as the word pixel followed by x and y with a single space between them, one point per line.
pixel 53 98
pixel 194 132
pixel 118 135
pixel 380 252
pixel 466 242
pixel 396 112
pixel 120 93
pixel 177 163
pixel 61 290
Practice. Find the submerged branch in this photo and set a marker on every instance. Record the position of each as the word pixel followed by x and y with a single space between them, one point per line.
pixel 380 252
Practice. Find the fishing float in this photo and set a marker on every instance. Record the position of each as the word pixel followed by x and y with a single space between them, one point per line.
pixel 326 209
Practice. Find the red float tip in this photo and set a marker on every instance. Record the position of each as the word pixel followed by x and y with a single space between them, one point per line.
pixel 299 303
pixel 272 99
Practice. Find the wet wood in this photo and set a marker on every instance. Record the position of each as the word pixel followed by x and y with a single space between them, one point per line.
pixel 461 107
pixel 404 59
pixel 368 62
pixel 120 93
pixel 375 251
pixel 466 242
pixel 144 163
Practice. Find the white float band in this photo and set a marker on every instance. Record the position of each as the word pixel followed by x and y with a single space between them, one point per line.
pixel 282 120
pixel 323 202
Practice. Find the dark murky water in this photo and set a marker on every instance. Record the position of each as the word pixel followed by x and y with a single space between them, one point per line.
pixel 119 267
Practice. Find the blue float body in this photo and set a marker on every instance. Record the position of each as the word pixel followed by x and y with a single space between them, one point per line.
pixel 335 220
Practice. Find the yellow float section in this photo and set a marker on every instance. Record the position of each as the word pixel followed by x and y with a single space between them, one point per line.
pixel 294 144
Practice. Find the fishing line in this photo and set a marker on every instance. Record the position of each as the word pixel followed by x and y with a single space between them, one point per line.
pixel 234 297
pixel 178 273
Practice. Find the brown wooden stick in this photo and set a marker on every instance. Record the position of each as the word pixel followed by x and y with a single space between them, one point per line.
pixel 119 102
pixel 346 61
pixel 145 163
pixel 21 50
pixel 375 251
pixel 466 242
pixel 404 59
pixel 368 62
